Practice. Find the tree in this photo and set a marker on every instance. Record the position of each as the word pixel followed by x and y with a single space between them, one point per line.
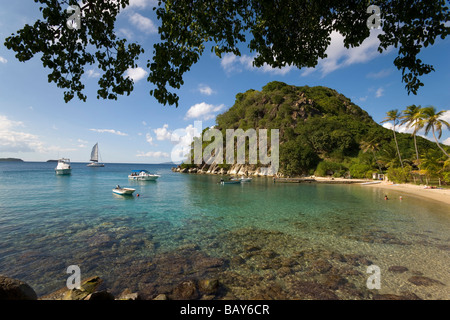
pixel 412 117
pixel 432 163
pixel 373 146
pixel 284 32
pixel 394 115
pixel 432 121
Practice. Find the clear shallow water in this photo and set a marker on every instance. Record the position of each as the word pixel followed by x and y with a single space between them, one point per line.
pixel 259 239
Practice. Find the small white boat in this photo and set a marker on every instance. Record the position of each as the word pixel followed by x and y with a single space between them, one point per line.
pixel 371 182
pixel 123 191
pixel 94 157
pixel 142 175
pixel 63 167
pixel 243 179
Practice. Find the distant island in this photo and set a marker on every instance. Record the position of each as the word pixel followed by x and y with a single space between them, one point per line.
pixel 52 161
pixel 10 160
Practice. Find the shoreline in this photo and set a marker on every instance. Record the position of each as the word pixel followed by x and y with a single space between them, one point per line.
pixel 441 195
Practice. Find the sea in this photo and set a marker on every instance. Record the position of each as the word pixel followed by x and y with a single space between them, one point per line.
pixel 255 240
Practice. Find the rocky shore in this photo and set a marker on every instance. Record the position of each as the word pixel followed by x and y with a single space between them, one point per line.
pixel 255 171
pixel 236 169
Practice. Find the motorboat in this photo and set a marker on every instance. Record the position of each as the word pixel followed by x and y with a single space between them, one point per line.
pixel 94 157
pixel 142 175
pixel 63 167
pixel 123 191
pixel 231 181
pixel 246 179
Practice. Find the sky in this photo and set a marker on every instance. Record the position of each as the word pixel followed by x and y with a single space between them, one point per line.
pixel 37 125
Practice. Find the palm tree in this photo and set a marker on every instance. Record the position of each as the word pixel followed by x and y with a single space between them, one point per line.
pixel 431 121
pixel 394 115
pixel 413 117
pixel 432 163
pixel 372 146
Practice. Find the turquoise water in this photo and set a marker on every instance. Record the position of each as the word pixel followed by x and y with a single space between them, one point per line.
pixel 259 239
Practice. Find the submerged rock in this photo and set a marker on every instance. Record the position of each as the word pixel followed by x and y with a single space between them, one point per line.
pixel 321 266
pixel 407 296
pixel 186 290
pixel 88 287
pixel 424 281
pixel 398 269
pixel 13 289
pixel 208 286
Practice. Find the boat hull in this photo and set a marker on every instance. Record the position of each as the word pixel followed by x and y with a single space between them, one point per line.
pixel 231 182
pixel 123 191
pixel 93 164
pixel 143 178
pixel 63 171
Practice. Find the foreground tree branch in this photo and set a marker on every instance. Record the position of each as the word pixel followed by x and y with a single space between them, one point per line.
pixel 280 32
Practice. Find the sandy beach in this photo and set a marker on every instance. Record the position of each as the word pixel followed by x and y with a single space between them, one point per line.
pixel 442 195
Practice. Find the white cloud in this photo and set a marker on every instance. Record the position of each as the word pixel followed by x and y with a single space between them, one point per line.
pixel 339 57
pixel 17 141
pixel 183 139
pixel 116 132
pixel 153 154
pixel 136 74
pixel 163 133
pixel 142 4
pixel 446 116
pixel 149 139
pixel 92 73
pixel 125 33
pixel 144 24
pixel 380 74
pixel 203 111
pixel 447 141
pixel 379 93
pixel 205 89
pixel 234 64
pixel 3 60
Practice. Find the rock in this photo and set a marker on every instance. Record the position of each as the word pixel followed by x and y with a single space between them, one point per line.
pixel 208 286
pixel 87 287
pixel 321 266
pixel 100 296
pixel 186 290
pixel 398 269
pixel 334 281
pixel 424 281
pixel 251 248
pixel 128 295
pixel 13 289
pixel 161 296
pixel 237 260
pixel 408 296
pixel 313 290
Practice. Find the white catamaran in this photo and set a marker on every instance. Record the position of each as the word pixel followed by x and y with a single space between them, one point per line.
pixel 94 158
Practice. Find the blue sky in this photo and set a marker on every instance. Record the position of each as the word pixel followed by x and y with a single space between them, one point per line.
pixel 36 124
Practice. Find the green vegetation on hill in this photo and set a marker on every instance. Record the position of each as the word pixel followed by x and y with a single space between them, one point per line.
pixel 322 132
